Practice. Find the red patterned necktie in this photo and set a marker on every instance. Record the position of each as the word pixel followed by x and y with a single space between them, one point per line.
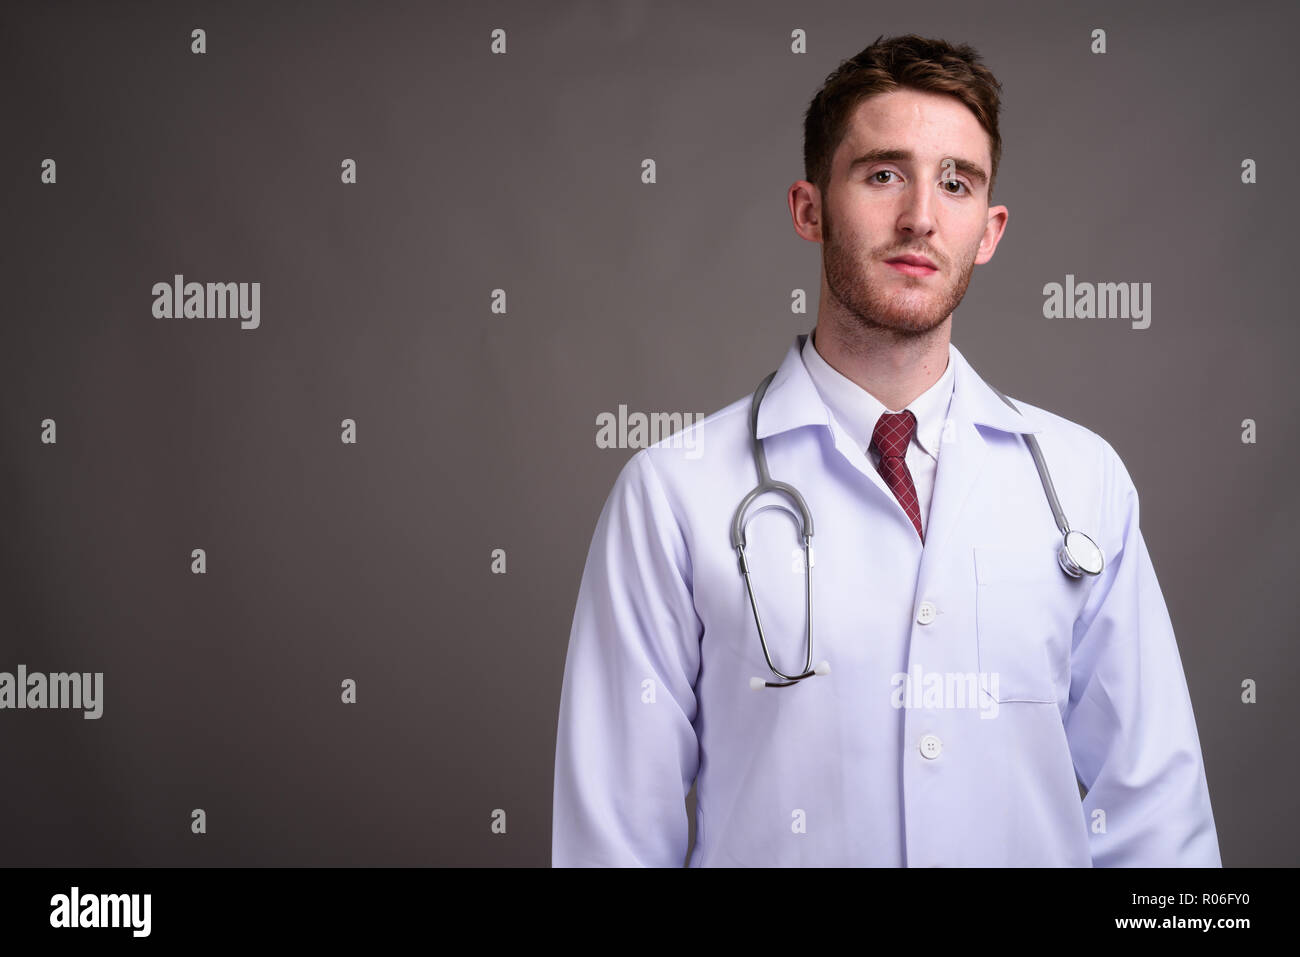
pixel 891 437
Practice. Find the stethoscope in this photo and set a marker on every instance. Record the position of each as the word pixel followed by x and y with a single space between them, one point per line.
pixel 1078 555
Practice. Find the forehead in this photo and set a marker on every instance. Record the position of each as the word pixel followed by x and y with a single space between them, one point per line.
pixel 932 125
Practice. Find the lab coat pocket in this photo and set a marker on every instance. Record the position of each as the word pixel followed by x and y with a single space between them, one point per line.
pixel 1022 623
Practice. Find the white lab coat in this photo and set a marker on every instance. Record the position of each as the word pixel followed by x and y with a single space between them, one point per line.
pixel 1076 677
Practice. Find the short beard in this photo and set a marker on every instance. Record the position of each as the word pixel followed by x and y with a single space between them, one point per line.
pixel 872 313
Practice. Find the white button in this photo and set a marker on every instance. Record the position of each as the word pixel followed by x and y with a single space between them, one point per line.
pixel 931 746
pixel 926 613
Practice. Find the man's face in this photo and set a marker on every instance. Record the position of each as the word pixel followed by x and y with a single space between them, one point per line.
pixel 878 209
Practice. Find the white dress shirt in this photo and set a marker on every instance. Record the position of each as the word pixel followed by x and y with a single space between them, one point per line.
pixel 857 411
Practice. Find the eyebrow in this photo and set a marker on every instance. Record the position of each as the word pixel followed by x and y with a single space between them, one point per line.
pixel 973 170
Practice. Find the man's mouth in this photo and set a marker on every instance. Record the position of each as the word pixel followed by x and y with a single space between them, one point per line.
pixel 913 265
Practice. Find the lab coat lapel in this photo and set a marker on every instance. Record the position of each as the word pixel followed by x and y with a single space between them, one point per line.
pixel 963 456
pixel 792 400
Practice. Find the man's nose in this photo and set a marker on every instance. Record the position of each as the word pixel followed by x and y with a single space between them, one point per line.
pixel 917 214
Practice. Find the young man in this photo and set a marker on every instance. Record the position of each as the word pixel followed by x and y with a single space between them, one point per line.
pixel 972 682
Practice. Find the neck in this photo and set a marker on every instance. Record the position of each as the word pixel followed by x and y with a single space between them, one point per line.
pixel 893 368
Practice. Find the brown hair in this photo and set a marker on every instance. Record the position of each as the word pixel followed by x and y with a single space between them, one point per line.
pixel 905 62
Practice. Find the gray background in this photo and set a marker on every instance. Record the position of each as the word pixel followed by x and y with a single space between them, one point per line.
pixel 477 431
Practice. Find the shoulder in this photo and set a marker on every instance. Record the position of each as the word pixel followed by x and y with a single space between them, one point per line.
pixel 703 443
pixel 699 458
pixel 1082 450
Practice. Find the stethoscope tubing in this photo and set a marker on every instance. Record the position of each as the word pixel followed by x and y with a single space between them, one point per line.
pixel 1066 558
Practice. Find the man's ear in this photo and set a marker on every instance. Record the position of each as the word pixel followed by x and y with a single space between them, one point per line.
pixel 994 227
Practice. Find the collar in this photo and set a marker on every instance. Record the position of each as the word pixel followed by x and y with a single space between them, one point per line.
pixel 857 410
pixel 792 400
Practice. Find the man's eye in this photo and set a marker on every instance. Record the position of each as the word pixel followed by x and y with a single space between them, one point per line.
pixel 955 182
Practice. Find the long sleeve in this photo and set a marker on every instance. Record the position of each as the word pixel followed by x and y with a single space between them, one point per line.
pixel 1129 722
pixel 626 749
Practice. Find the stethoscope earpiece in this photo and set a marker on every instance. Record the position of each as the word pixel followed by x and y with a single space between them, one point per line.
pixel 758 683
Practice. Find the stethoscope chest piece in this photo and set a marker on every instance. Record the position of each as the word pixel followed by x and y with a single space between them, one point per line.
pixel 1079 555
